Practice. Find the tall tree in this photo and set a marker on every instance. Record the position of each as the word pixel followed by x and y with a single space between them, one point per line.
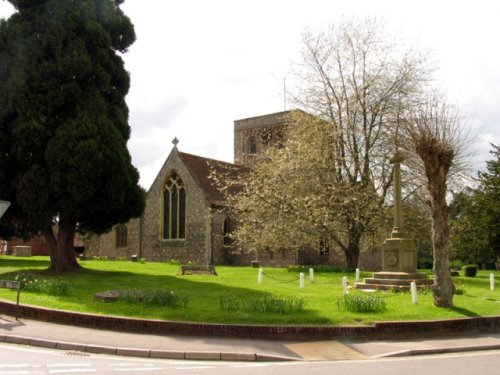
pixel 290 198
pixel 475 222
pixel 356 81
pixel 435 137
pixel 489 198
pixel 64 120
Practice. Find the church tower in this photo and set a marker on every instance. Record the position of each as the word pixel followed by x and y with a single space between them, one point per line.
pixel 254 135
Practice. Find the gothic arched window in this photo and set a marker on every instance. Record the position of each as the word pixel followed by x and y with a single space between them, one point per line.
pixel 174 209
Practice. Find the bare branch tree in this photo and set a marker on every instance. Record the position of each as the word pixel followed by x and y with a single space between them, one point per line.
pixel 435 134
pixel 358 79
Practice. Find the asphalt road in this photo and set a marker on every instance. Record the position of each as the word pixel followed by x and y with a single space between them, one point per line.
pixel 17 360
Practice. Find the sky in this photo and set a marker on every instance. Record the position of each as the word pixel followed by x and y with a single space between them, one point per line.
pixel 198 65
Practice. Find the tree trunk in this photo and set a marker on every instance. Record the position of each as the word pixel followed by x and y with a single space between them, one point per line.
pixel 443 287
pixel 352 249
pixel 62 253
pixel 50 240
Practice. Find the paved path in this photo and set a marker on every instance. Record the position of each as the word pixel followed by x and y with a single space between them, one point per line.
pixel 37 333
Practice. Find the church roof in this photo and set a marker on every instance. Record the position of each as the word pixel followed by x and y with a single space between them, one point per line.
pixel 201 169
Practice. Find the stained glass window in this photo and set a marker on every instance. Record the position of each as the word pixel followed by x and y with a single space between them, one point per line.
pixel 174 209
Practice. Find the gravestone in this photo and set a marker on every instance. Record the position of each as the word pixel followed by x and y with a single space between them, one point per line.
pixel 21 251
pixel 3 207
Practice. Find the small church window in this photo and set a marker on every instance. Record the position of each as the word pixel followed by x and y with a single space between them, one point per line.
pixel 174 209
pixel 121 235
pixel 324 248
pixel 227 229
pixel 252 145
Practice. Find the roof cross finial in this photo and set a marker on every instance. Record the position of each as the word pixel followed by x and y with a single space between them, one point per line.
pixel 175 142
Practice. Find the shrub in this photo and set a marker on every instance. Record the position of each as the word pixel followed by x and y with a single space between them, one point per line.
pixel 34 284
pixel 362 303
pixel 317 269
pixel 100 258
pixel 459 288
pixel 470 270
pixel 276 305
pixel 155 297
pixel 456 264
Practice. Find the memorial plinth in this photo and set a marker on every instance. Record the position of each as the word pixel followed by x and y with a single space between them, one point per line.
pixel 399 252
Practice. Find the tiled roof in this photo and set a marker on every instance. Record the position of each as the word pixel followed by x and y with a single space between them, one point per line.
pixel 201 168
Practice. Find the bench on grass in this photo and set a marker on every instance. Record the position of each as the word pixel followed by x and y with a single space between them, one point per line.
pixel 190 269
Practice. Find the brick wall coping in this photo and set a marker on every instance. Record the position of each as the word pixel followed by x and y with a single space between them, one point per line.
pixel 378 330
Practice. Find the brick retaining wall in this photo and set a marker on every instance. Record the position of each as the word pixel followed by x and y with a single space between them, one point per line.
pixel 379 330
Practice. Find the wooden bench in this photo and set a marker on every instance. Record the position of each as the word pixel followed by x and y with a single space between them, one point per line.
pixel 9 284
pixel 189 269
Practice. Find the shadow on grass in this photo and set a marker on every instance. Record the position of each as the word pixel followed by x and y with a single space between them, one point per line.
pixel 465 312
pixel 204 294
pixel 8 261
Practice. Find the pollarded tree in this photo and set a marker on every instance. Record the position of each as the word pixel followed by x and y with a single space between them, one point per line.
pixel 434 135
pixel 64 120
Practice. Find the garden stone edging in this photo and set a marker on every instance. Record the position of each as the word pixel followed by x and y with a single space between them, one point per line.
pixel 378 330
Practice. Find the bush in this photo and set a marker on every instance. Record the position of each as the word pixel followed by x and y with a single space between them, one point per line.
pixel 34 284
pixel 470 270
pixel 277 305
pixel 362 303
pixel 317 269
pixel 456 264
pixel 459 288
pixel 156 297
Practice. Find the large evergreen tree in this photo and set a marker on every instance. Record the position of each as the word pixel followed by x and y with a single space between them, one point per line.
pixel 489 198
pixel 476 217
pixel 64 121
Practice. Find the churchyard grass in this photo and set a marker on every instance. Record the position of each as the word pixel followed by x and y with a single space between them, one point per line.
pixel 206 294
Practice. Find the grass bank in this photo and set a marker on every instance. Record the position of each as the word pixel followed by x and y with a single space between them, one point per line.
pixel 212 298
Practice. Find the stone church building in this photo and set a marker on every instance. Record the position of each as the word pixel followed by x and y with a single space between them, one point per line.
pixel 186 217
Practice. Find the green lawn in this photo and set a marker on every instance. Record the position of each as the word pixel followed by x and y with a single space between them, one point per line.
pixel 205 292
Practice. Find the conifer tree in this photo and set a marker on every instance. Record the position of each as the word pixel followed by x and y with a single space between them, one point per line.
pixel 64 127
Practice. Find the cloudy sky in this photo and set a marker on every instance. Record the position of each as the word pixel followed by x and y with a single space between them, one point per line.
pixel 198 65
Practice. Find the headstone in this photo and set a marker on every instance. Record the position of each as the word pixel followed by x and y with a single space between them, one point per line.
pixel 345 288
pixel 21 251
pixel 3 207
pixel 259 276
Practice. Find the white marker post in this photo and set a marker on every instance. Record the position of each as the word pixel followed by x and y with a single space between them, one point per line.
pixel 259 277
pixel 311 275
pixel 301 282
pixel 345 289
pixel 492 282
pixel 414 295
pixel 357 275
